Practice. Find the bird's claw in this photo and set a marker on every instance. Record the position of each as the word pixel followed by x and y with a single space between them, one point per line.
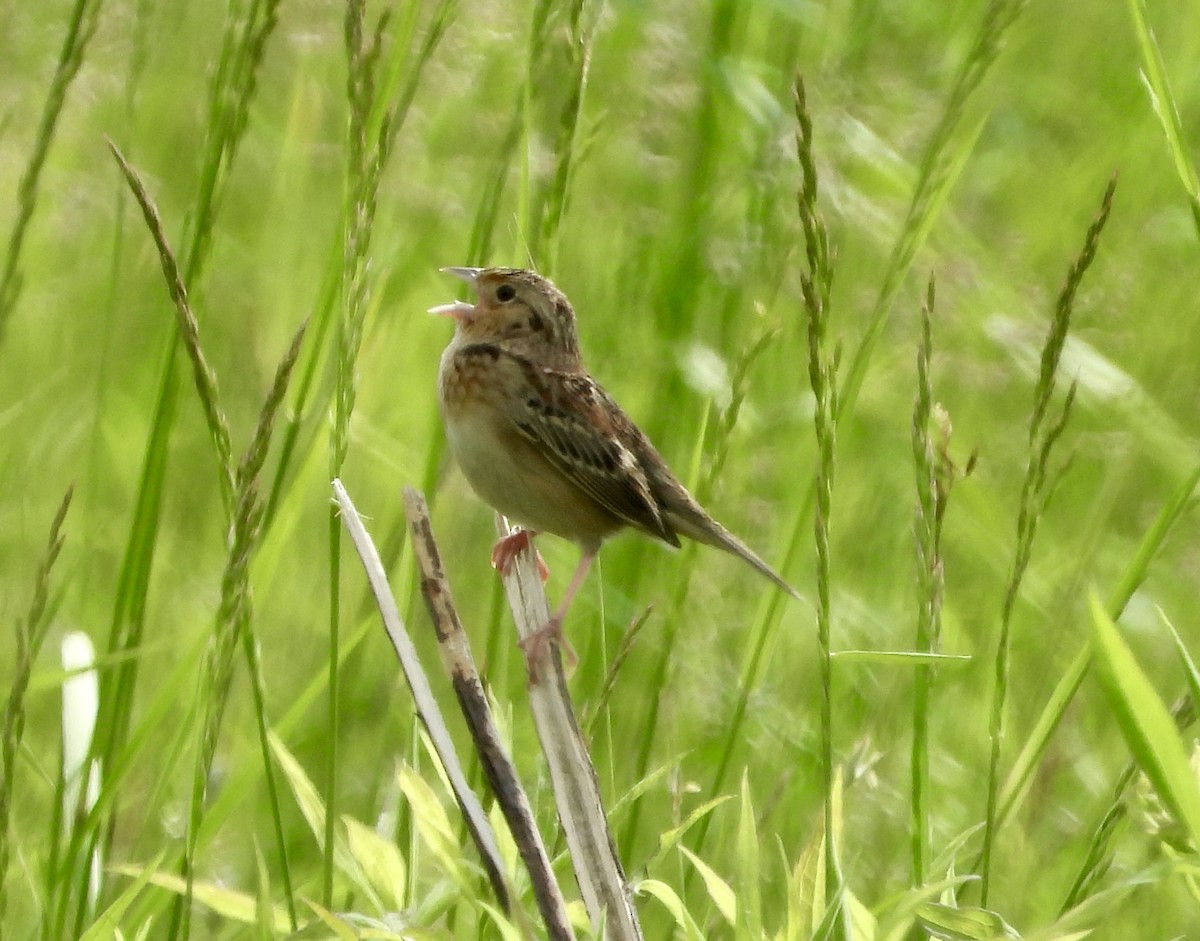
pixel 537 645
pixel 508 547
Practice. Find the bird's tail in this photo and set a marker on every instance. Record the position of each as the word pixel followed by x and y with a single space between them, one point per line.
pixel 694 523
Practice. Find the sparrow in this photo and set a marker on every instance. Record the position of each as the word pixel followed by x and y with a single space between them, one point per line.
pixel 541 441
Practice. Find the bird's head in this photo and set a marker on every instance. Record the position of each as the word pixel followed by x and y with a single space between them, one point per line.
pixel 517 310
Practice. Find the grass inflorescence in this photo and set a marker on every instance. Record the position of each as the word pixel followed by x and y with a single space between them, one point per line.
pixel 243 507
pixel 1036 490
pixel 816 281
pixel 30 634
pixel 80 28
pixel 231 91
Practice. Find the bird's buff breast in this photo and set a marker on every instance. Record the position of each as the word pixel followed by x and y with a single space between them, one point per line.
pixel 504 468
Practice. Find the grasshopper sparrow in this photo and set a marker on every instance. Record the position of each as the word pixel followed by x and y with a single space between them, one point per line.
pixel 543 443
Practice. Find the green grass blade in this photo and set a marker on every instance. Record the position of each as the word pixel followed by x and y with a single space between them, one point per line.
pixel 930 574
pixel 816 281
pixel 963 924
pixel 1186 661
pixel 189 330
pixel 315 356
pixel 103 928
pixel 1018 779
pixel 231 94
pixel 749 865
pixel 30 634
pixel 234 627
pixel 1162 100
pixel 80 28
pixel 1146 723
pixel 248 474
pixel 945 156
pixel 944 169
pixel 1035 494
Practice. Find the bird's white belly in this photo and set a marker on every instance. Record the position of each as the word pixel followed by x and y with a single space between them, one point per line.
pixel 520 483
pixel 495 473
pixel 488 464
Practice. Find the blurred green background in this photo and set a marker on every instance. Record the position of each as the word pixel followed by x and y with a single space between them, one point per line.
pixel 679 244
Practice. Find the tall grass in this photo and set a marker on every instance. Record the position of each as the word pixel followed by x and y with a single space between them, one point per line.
pixel 30 634
pixel 239 492
pixel 816 282
pixel 80 27
pixel 1036 490
pixel 375 118
pixel 935 475
pixel 231 90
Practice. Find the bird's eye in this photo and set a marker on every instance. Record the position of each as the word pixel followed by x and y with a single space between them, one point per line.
pixel 505 293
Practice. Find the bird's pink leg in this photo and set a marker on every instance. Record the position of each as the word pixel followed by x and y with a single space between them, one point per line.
pixel 534 644
pixel 509 547
pixel 581 570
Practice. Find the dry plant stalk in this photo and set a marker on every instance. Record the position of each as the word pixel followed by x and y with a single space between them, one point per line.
pixel 498 766
pixel 572 775
pixel 423 698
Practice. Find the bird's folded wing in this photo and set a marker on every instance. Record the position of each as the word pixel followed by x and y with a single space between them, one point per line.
pixel 575 424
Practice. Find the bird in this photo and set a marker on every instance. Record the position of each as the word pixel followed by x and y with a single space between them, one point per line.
pixel 544 444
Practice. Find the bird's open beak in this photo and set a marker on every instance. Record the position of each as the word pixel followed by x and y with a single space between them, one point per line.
pixel 459 310
pixel 463 274
pixel 462 311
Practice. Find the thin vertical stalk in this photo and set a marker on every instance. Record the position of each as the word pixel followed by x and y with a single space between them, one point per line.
pixel 815 283
pixel 940 166
pixel 578 43
pixel 725 425
pixel 1162 100
pixel 527 205
pixel 935 476
pixel 368 146
pixel 1016 785
pixel 929 600
pixel 1035 492
pixel 240 501
pixel 231 91
pixel 30 634
pixel 81 26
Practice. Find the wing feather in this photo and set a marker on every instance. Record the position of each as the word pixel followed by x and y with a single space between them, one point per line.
pixel 577 426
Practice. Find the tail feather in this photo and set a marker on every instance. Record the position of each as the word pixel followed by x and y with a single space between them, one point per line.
pixel 682 514
pixel 694 523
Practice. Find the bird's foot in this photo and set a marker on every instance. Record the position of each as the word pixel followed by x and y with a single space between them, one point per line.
pixel 507 548
pixel 537 647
